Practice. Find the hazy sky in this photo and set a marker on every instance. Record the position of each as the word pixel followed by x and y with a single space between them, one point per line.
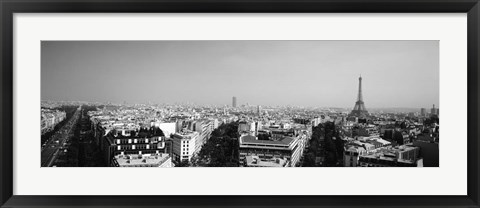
pixel 305 73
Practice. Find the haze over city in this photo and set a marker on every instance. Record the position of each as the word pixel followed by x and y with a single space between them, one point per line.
pixel 276 73
pixel 267 104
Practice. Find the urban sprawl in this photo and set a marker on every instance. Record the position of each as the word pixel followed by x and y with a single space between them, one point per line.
pixel 85 134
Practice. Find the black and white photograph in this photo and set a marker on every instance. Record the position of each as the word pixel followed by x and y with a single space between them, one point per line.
pixel 240 103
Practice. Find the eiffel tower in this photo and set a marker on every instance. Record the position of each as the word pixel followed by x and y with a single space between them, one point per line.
pixel 359 110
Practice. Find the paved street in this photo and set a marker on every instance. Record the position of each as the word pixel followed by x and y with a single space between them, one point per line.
pixel 56 143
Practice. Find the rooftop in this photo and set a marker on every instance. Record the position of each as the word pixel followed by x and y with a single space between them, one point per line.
pixel 185 134
pixel 404 148
pixel 254 161
pixel 384 142
pixel 385 157
pixel 248 139
pixel 355 149
pixel 141 160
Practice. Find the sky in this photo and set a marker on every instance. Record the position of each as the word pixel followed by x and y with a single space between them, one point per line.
pixel 267 73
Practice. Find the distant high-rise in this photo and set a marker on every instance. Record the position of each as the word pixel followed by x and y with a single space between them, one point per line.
pixel 359 110
pixel 433 111
pixel 234 102
pixel 259 109
pixel 423 111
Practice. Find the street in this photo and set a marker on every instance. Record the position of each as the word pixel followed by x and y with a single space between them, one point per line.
pixel 55 144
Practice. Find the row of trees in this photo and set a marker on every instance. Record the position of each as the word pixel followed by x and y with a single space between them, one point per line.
pixel 315 148
pixel 90 154
pixel 221 150
pixel 326 145
pixel 333 145
pixel 70 157
pixel 82 150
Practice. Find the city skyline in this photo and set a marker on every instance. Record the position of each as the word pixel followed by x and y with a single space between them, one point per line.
pixel 395 73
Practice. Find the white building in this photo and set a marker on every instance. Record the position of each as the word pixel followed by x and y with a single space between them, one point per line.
pixel 204 129
pixel 168 128
pixel 184 145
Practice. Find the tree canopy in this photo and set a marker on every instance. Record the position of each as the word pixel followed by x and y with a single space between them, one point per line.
pixel 221 150
pixel 323 145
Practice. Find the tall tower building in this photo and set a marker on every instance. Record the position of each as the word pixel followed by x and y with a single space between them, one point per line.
pixel 359 110
pixel 234 102
pixel 433 111
pixel 423 111
pixel 259 109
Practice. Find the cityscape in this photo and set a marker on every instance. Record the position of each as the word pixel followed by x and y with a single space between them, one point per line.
pixel 236 131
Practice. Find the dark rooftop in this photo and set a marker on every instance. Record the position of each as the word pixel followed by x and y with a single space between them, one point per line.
pixel 254 140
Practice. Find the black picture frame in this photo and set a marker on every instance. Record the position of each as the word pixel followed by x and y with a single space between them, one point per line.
pixel 9 7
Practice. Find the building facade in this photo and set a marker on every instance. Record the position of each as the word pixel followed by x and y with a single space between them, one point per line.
pixel 184 145
pixel 285 148
pixel 234 102
pixel 50 118
pixel 118 142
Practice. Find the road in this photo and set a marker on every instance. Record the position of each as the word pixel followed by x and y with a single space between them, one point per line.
pixel 57 141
